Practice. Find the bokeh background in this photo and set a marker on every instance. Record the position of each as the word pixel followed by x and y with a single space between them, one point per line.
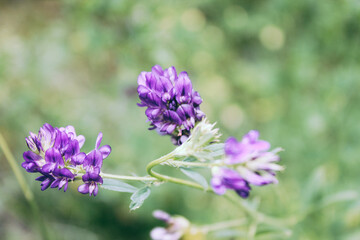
pixel 287 68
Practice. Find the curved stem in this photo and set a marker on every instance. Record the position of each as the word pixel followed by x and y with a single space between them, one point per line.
pixel 258 217
pixel 165 178
pixel 130 178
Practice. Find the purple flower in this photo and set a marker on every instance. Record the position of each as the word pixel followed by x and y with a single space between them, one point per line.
pixel 224 178
pixel 53 159
pixel 172 103
pixel 55 154
pixel 46 181
pixel 33 162
pixel 62 177
pixel 246 149
pixel 92 164
pixel 248 162
pixel 91 180
pixel 176 227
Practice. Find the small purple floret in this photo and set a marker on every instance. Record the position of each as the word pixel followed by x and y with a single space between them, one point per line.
pixel 248 162
pixel 224 178
pixel 176 227
pixel 173 106
pixel 55 154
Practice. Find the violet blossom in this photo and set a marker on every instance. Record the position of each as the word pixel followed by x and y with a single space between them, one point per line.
pixel 176 227
pixel 92 164
pixel 55 154
pixel 173 106
pixel 248 161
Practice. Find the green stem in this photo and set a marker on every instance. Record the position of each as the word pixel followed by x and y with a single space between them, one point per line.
pixel 258 217
pixel 165 178
pixel 130 178
pixel 25 188
pixel 191 164
pixel 223 225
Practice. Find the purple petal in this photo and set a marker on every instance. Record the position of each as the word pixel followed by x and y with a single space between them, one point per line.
pixel 158 233
pixel 217 186
pixel 161 215
pixel 174 117
pixel 49 167
pixel 261 145
pixel 66 173
pixel 72 149
pixel 142 79
pixel 252 178
pixel 30 166
pixel 66 186
pixel 29 156
pixel 61 141
pixel 94 158
pixel 53 155
pixel 41 178
pixel 196 98
pixel 55 183
pixel 152 112
pixel 171 74
pixel 81 140
pixel 251 137
pixel 84 188
pixel 105 151
pixel 96 190
pixel 78 159
pixel 93 189
pixel 157 69
pixel 166 83
pixel 143 92
pixel 46 184
pixel 98 140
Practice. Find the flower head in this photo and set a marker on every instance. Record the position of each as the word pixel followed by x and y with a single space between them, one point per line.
pixel 247 162
pixel 176 227
pixel 173 106
pixel 55 154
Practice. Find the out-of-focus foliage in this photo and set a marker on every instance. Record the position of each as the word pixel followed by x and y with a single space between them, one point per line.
pixel 287 68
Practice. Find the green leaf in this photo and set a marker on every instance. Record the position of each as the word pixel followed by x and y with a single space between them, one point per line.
pixel 190 159
pixel 118 186
pixel 138 198
pixel 215 147
pixel 195 176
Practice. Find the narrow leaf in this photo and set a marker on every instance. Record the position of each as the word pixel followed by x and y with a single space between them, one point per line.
pixel 118 186
pixel 138 198
pixel 215 147
pixel 195 176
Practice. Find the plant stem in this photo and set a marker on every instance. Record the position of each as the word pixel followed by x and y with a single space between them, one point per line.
pixel 25 188
pixel 258 217
pixel 223 225
pixel 130 178
pixel 166 178
pixel 191 164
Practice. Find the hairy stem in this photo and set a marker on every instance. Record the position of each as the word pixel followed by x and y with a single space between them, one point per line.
pixel 191 164
pixel 130 178
pixel 25 188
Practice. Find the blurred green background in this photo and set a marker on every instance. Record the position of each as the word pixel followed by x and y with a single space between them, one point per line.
pixel 287 68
